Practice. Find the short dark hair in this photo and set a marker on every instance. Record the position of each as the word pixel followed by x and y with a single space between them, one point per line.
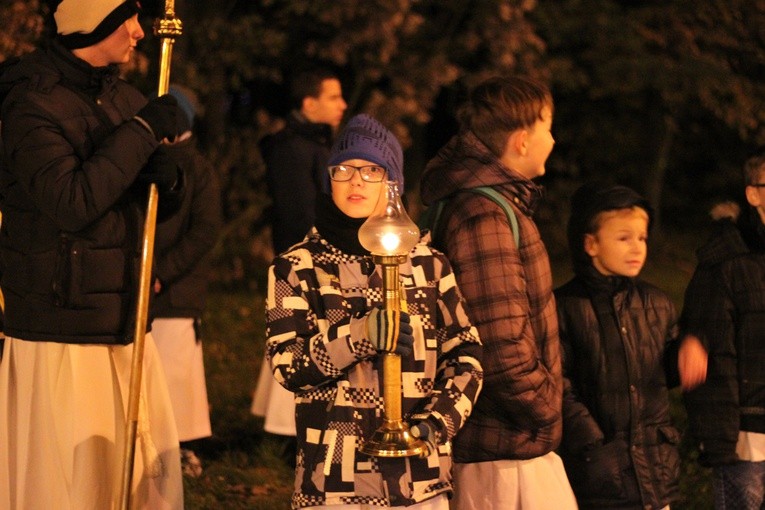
pixel 307 83
pixel 754 167
pixel 500 105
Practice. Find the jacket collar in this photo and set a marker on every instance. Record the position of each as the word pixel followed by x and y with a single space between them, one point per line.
pixel 76 73
pixel 320 133
pixel 598 282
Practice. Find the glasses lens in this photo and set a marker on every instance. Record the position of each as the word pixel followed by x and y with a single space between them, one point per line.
pixel 372 173
pixel 340 172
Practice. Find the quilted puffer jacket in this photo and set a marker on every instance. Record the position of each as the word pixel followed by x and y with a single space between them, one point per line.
pixel 619 350
pixel 72 217
pixel 725 308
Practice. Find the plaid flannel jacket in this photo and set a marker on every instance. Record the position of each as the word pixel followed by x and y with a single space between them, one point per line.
pixel 508 289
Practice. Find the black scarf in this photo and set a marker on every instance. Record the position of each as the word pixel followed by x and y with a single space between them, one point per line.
pixel 340 230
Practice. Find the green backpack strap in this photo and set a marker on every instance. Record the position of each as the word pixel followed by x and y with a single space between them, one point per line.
pixel 498 199
pixel 429 220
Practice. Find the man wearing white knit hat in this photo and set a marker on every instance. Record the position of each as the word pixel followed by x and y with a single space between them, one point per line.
pixel 80 146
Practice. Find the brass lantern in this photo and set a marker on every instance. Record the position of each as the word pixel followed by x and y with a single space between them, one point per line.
pixel 389 234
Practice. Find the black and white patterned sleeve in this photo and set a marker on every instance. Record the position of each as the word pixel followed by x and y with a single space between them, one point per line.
pixel 304 347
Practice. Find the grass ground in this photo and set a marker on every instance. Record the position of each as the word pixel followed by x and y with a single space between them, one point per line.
pixel 243 469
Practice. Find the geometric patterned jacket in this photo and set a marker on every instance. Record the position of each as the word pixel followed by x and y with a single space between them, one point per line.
pixel 317 299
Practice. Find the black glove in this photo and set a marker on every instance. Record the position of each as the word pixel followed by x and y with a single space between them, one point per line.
pixel 405 343
pixel 160 117
pixel 161 170
pixel 380 324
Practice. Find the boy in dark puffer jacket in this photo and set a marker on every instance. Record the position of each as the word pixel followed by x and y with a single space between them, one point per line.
pixel 618 337
pixel 725 308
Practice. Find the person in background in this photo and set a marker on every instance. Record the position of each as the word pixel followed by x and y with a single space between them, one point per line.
pixel 296 164
pixel 182 244
pixel 504 456
pixel 81 146
pixel 619 338
pixel 724 308
pixel 296 156
pixel 326 328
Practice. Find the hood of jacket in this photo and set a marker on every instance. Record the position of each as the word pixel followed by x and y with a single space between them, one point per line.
pixel 465 163
pixel 733 235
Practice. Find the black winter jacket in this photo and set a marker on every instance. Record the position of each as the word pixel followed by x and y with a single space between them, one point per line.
pixel 296 166
pixel 725 308
pixel 72 218
pixel 184 240
pixel 619 447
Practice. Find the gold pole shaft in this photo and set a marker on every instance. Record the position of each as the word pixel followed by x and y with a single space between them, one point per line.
pixel 392 386
pixel 166 55
pixel 136 368
pixel 167 29
pixel 392 439
pixel 391 361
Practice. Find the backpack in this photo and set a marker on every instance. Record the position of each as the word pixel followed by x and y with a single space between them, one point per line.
pixel 429 220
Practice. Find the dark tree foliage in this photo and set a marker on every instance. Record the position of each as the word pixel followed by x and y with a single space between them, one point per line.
pixel 664 96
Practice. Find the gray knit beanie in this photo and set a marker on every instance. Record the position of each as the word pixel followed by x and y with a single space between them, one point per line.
pixel 365 138
pixel 83 23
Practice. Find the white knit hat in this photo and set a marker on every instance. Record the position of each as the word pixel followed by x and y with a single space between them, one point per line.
pixel 82 23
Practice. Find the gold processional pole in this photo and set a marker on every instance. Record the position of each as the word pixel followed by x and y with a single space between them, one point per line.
pixel 167 28
pixel 389 234
pixel 2 297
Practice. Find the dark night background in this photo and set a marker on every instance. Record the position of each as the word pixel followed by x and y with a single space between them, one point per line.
pixel 666 96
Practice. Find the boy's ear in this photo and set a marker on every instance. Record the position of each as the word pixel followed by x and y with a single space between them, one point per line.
pixel 590 245
pixel 309 103
pixel 753 196
pixel 517 142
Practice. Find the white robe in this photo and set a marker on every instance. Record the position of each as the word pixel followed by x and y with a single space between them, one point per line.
pixel 62 426
pixel 183 363
pixel 275 403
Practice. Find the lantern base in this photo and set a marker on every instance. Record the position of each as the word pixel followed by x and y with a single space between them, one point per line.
pixel 393 439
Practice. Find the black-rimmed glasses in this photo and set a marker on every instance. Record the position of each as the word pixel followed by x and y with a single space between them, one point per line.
pixel 758 185
pixel 369 173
